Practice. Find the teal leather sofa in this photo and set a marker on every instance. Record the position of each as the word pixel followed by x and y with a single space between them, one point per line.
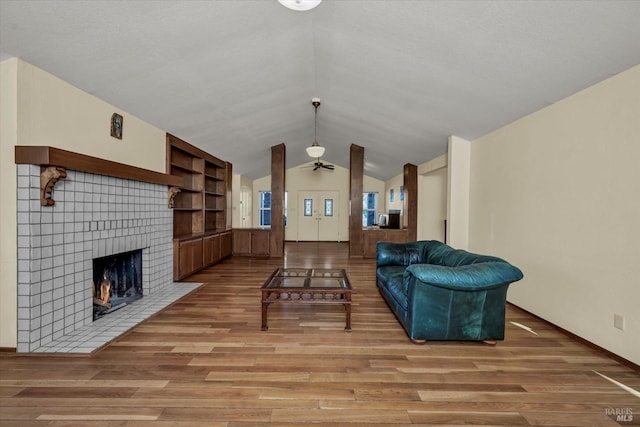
pixel 440 293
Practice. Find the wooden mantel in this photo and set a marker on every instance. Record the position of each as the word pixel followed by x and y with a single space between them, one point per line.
pixel 55 161
pixel 51 156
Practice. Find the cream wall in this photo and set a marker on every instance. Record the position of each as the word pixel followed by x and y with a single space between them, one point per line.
pixel 301 178
pixel 237 183
pixel 556 193
pixel 40 109
pixel 240 183
pixel 8 221
pixel 433 192
pixel 458 181
pixel 235 200
pixel 371 185
pixel 432 204
pixel 392 184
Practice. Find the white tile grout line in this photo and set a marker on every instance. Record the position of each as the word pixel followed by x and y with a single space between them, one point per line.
pixel 91 337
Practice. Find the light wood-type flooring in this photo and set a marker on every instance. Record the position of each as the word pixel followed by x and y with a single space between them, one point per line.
pixel 205 362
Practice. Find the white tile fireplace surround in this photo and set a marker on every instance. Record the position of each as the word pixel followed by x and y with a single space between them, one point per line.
pixel 93 216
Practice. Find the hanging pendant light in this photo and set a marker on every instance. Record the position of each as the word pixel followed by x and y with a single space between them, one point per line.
pixel 316 150
pixel 299 5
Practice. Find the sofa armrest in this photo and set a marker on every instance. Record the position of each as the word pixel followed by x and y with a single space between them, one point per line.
pixel 471 277
pixel 389 253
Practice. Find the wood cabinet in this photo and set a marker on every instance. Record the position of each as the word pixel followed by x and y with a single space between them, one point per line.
pixel 211 249
pixel 188 257
pixel 251 242
pixel 373 236
pixel 226 244
pixel 200 208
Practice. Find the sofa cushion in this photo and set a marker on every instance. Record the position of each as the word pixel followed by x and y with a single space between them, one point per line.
pixel 391 277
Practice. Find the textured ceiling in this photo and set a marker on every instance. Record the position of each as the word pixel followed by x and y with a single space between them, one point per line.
pixel 396 77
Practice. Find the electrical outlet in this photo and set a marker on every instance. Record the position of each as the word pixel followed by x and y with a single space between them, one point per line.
pixel 618 321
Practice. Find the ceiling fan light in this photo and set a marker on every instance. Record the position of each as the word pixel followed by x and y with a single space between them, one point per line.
pixel 315 151
pixel 299 5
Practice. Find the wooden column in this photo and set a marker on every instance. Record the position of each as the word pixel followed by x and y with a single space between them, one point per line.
pixel 410 205
pixel 356 174
pixel 278 162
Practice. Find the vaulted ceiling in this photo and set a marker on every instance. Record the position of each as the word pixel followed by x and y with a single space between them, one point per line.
pixel 396 77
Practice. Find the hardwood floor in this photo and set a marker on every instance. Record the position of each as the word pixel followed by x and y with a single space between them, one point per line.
pixel 205 362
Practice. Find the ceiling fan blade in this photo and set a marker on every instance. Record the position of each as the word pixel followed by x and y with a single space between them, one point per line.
pixel 316 167
pixel 330 167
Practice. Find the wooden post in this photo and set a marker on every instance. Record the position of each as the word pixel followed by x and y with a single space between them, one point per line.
pixel 278 167
pixel 356 174
pixel 410 204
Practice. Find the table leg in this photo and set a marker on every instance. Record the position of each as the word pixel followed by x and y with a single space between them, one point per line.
pixel 265 307
pixel 347 308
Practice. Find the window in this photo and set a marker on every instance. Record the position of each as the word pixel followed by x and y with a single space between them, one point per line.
pixel 265 209
pixel 369 208
pixel 328 207
pixel 308 207
pixel 286 212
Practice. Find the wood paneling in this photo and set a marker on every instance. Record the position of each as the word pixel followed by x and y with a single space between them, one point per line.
pixel 226 244
pixel 41 155
pixel 242 241
pixel 356 177
pixel 371 237
pixel 251 241
pixel 203 361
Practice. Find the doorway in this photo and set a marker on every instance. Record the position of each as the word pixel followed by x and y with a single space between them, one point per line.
pixel 318 216
pixel 246 220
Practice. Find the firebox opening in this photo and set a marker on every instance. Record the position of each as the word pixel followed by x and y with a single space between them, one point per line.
pixel 117 281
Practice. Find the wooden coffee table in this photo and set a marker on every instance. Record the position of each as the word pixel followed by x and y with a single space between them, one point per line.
pixel 307 286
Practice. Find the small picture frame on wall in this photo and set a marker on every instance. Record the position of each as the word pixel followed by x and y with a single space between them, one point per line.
pixel 116 125
pixel 402 193
pixel 391 195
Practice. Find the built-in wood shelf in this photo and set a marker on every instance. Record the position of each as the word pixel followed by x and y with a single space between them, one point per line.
pixel 201 230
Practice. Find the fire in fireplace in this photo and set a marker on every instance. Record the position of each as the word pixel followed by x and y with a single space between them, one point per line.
pixel 117 281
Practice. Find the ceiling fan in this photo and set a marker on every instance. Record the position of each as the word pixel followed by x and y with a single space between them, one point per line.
pixel 319 165
pixel 316 150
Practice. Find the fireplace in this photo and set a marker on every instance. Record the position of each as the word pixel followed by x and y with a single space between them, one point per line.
pixel 94 216
pixel 117 281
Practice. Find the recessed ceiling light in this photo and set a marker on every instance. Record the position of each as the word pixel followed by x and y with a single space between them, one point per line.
pixel 300 5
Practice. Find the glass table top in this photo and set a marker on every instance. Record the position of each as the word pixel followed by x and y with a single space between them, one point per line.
pixel 310 278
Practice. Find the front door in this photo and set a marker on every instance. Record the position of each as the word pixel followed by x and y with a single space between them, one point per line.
pixel 318 216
